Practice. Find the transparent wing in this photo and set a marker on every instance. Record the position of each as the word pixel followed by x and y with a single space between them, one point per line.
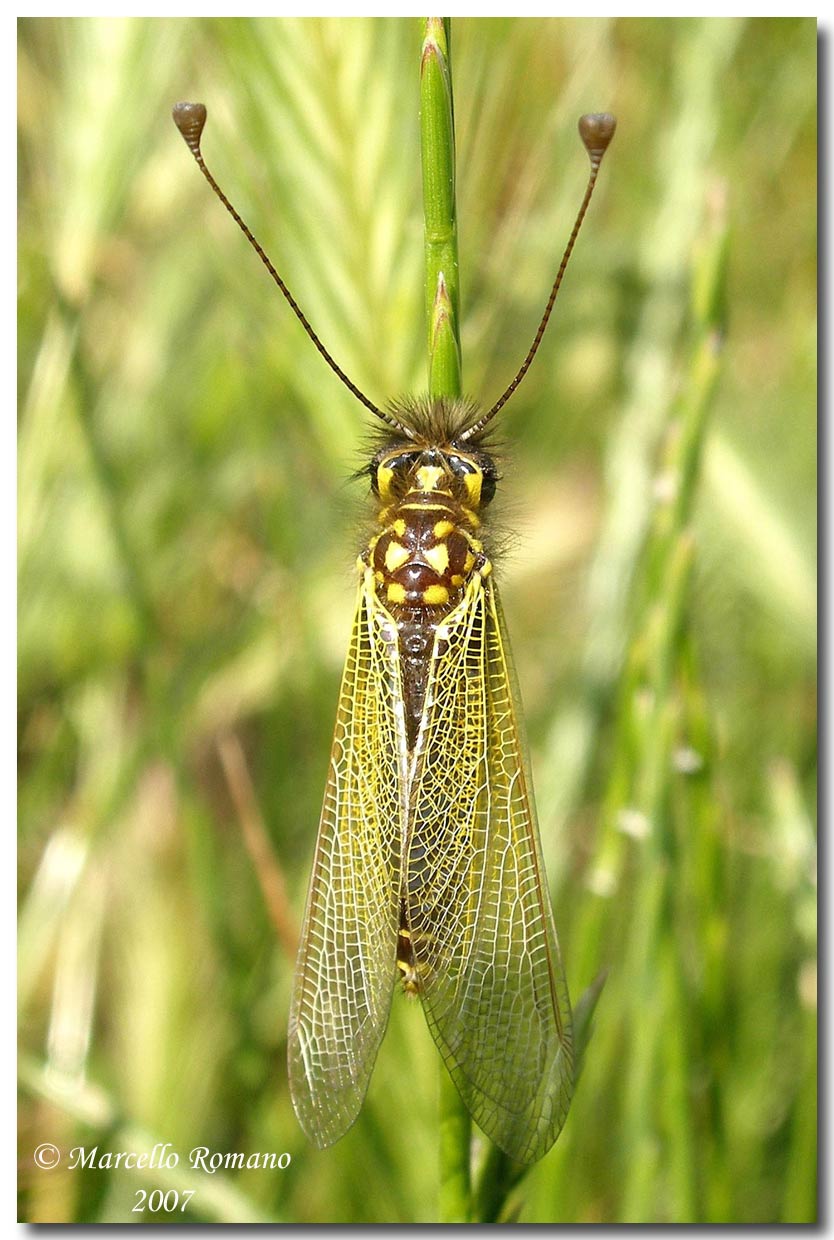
pixel 482 929
pixel 346 966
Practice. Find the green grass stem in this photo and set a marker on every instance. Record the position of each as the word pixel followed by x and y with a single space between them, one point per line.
pixel 437 131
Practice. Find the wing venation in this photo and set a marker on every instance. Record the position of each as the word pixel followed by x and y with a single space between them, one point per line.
pixel 346 966
pixel 492 983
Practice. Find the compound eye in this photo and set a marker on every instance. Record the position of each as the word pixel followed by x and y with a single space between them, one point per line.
pixel 482 467
pixel 403 462
pixel 461 467
pixel 488 482
pixel 387 469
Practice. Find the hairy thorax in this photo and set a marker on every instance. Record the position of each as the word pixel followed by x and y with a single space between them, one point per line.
pixel 425 554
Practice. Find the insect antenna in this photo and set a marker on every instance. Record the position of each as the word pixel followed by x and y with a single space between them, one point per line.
pixel 190 118
pixel 596 131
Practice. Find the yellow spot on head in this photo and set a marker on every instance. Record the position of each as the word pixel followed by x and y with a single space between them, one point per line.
pixel 395 556
pixel 473 487
pixel 438 558
pixel 442 529
pixel 428 477
pixel 384 476
pixel 396 592
pixel 435 596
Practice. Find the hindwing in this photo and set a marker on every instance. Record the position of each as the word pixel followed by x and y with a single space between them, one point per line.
pixel 482 929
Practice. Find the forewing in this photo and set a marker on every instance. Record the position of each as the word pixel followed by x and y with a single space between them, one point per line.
pixel 482 929
pixel 347 959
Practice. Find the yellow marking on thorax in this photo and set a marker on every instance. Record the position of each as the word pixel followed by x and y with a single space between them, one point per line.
pixel 442 529
pixel 437 557
pixel 395 556
pixel 395 592
pixel 425 508
pixel 435 596
pixel 399 527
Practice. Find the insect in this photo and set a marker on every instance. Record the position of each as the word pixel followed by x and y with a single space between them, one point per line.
pixel 428 866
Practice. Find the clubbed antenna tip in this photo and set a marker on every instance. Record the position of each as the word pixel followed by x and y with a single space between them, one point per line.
pixel 189 119
pixel 596 129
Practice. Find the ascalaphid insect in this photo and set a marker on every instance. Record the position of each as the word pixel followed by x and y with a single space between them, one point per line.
pixel 428 865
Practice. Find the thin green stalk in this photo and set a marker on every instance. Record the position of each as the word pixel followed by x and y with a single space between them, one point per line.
pixel 437 130
pixel 674 487
pixel 653 717
pixel 438 158
pixel 662 255
pixel 455 1133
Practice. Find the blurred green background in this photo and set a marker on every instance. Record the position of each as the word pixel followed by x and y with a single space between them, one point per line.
pixel 187 535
